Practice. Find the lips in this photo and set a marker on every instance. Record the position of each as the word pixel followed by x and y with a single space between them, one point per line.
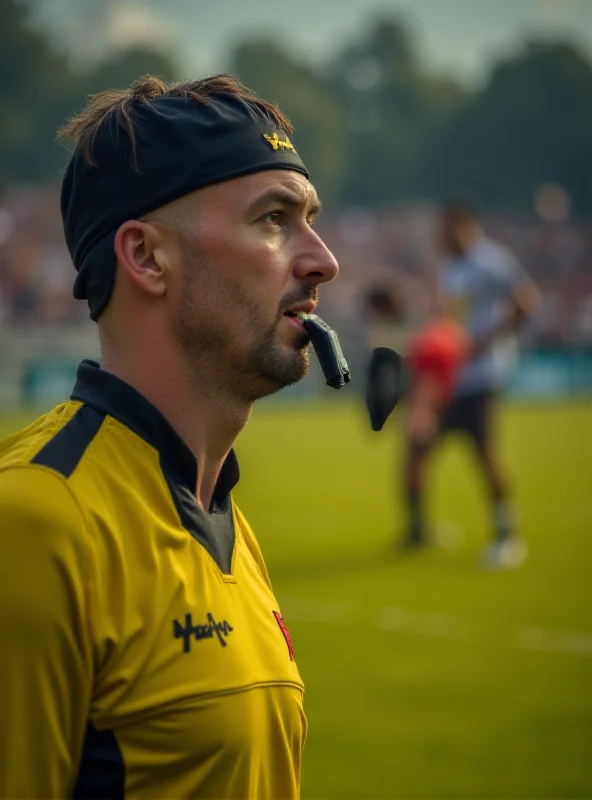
pixel 296 321
pixel 306 307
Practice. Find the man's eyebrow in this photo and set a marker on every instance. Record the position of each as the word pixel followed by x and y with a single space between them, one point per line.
pixel 289 199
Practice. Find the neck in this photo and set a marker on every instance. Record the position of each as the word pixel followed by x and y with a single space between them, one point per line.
pixel 471 239
pixel 206 418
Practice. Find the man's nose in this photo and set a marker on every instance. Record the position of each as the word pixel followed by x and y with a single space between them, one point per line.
pixel 316 263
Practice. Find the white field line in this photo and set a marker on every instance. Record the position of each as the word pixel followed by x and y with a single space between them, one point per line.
pixel 576 643
pixel 440 626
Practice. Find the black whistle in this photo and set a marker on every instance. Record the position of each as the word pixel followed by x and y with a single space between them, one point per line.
pixel 386 382
pixel 326 345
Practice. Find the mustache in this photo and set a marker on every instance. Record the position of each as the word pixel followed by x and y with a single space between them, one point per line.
pixel 299 296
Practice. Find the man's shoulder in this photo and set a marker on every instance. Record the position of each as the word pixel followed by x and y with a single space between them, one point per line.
pixel 39 510
pixel 493 257
pixel 50 491
pixel 78 442
pixel 21 447
pixel 38 462
pixel 484 255
pixel 28 486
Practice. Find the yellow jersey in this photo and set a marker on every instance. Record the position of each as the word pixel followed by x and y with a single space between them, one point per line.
pixel 143 651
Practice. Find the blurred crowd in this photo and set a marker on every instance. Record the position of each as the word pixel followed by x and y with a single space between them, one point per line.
pixel 398 247
pixel 36 272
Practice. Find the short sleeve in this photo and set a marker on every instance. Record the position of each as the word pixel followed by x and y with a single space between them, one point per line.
pixel 46 664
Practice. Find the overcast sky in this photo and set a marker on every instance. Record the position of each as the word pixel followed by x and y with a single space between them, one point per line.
pixel 458 37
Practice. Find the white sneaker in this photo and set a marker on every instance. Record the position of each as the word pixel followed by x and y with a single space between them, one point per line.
pixel 509 554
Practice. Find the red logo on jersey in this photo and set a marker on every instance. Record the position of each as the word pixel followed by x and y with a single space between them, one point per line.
pixel 286 633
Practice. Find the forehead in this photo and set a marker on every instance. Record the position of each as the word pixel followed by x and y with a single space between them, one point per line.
pixel 241 193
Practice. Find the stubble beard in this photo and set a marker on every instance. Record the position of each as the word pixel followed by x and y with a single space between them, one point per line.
pixel 273 367
pixel 204 329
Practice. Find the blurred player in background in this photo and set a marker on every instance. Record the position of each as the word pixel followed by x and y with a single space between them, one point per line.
pixel 488 295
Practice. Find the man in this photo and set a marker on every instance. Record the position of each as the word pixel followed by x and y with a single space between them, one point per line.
pixel 435 356
pixel 143 651
pixel 485 291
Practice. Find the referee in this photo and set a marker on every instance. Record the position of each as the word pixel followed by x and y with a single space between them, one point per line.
pixel 143 651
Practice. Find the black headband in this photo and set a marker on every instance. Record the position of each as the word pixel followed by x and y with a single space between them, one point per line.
pixel 181 145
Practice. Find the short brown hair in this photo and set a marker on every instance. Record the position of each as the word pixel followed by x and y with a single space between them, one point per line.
pixel 460 209
pixel 84 126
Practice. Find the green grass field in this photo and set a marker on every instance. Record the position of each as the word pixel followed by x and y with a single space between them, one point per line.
pixel 427 677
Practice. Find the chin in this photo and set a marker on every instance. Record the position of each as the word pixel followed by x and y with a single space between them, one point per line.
pixel 277 372
pixel 291 370
pixel 272 363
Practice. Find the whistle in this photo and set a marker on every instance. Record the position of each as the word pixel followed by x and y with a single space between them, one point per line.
pixel 328 350
pixel 386 383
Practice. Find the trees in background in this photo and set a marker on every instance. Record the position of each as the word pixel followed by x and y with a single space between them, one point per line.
pixel 530 125
pixel 35 92
pixel 399 132
pixel 39 90
pixel 393 109
pixel 373 125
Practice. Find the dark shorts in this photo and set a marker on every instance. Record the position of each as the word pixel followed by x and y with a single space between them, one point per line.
pixel 470 414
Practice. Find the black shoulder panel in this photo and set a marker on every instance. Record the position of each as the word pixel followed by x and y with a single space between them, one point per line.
pixel 64 450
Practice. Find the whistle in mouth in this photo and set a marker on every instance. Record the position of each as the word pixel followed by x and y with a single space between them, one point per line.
pixel 326 345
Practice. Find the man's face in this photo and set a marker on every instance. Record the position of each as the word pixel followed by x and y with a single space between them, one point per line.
pixel 449 234
pixel 457 233
pixel 250 256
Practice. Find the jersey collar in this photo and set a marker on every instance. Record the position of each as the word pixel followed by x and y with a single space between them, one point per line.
pixel 100 389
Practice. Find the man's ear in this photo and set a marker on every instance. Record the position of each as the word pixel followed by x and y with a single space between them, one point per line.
pixel 142 256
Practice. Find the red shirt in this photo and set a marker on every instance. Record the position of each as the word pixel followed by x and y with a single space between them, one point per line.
pixel 438 351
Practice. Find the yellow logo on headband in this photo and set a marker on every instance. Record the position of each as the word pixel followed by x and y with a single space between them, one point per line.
pixel 278 143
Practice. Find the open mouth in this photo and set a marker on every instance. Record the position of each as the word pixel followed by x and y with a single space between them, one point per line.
pixel 295 318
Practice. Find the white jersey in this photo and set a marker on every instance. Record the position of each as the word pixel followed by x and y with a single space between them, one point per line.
pixel 477 288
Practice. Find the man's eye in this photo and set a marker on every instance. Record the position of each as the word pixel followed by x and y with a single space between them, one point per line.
pixel 275 217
